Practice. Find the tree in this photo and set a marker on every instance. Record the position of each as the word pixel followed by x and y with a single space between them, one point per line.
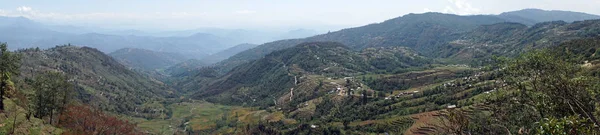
pixel 454 121
pixel 544 86
pixel 381 94
pixel 565 91
pixel 52 93
pixel 572 125
pixel 9 65
pixel 364 97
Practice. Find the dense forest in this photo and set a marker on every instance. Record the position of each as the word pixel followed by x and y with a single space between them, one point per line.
pixel 428 73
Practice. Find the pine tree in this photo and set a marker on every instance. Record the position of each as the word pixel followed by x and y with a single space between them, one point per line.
pixel 51 94
pixel 9 65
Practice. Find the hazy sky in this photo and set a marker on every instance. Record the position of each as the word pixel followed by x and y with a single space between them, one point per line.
pixel 261 14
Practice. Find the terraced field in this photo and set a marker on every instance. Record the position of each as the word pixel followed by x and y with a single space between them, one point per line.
pixel 200 116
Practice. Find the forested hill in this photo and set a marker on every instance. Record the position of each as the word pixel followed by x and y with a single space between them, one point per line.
pixel 354 98
pixel 510 39
pixel 582 51
pixel 533 16
pixel 300 67
pixel 99 79
pixel 147 60
pixel 419 31
pixel 222 55
pixel 256 80
pixel 431 34
pixel 475 47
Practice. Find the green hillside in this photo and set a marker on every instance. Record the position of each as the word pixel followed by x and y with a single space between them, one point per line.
pixel 147 60
pixel 301 67
pixel 185 66
pixel 100 80
pixel 373 103
pixel 222 55
pixel 533 16
pixel 424 33
pixel 511 39
pixel 436 35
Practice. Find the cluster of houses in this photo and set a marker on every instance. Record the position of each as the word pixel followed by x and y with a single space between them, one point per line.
pixel 402 94
pixel 341 91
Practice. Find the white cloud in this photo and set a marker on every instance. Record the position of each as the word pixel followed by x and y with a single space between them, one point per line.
pixel 427 10
pixel 24 9
pixel 94 16
pixel 245 12
pixel 111 19
pixel 461 7
pixel 449 10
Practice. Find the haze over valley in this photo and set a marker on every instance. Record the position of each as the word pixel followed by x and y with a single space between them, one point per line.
pixel 300 67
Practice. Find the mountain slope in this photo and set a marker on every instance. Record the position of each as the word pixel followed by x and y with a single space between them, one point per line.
pixel 422 32
pixel 428 33
pixel 533 16
pixel 190 81
pixel 185 66
pixel 582 51
pixel 298 33
pixel 222 55
pixel 510 39
pixel 146 59
pixel 459 43
pixel 270 77
pixel 301 67
pixel 100 80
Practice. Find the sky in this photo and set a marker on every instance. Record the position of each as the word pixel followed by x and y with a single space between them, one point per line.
pixel 259 14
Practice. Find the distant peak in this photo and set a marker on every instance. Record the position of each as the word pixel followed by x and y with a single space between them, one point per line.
pixel 202 35
pixel 532 9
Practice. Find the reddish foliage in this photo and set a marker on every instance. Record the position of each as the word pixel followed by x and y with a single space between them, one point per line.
pixel 88 121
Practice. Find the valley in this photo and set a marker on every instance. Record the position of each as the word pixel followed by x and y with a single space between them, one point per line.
pixel 522 72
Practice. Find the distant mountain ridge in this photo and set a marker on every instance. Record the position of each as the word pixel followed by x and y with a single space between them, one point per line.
pixel 423 32
pixel 23 35
pixel 533 16
pixel 185 66
pixel 427 33
pixel 146 59
pixel 27 33
pixel 222 55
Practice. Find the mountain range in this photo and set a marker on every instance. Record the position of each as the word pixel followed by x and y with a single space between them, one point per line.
pixel 533 16
pixel 431 34
pixel 197 43
pixel 398 76
pixel 146 59
pixel 472 47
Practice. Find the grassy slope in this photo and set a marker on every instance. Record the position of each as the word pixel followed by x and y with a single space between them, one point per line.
pixel 203 116
pixel 34 126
